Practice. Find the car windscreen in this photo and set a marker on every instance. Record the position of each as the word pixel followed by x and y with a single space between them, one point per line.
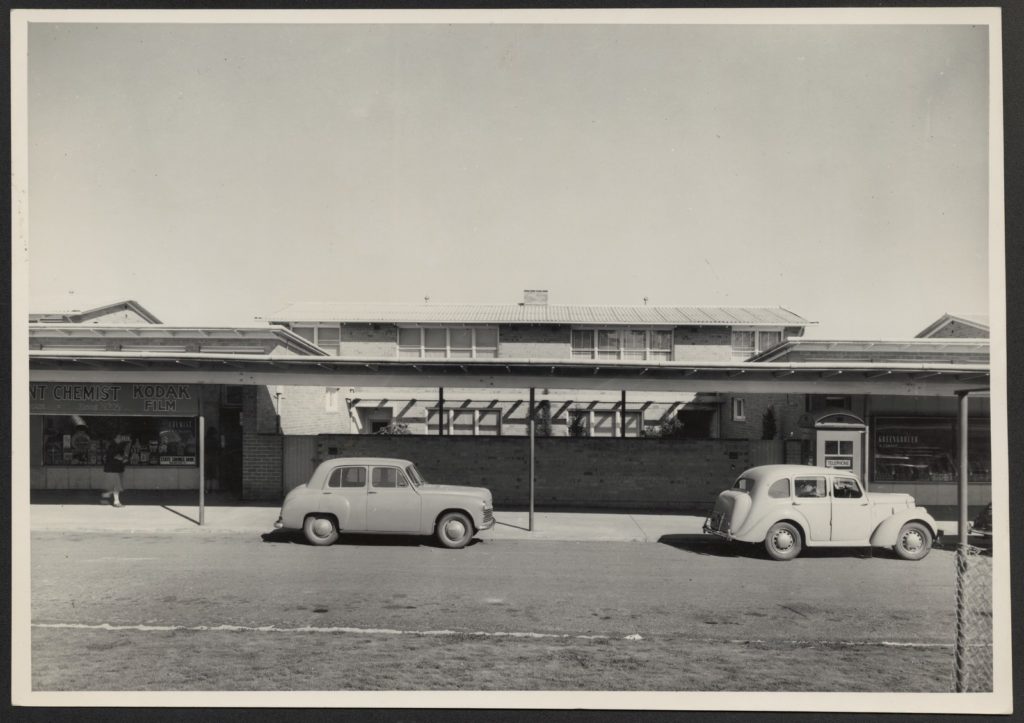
pixel 414 474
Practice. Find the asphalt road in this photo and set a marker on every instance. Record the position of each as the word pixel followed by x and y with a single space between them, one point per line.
pixel 686 589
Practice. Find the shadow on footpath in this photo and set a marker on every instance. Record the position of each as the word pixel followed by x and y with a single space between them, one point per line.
pixel 701 544
pixel 295 537
pixel 156 498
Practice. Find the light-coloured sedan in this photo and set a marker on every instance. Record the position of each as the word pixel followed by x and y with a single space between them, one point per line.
pixel 383 496
pixel 788 507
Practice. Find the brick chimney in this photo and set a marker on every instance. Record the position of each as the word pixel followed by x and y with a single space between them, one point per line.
pixel 535 297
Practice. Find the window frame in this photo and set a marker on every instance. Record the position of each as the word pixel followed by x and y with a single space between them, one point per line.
pixel 450 414
pixel 595 351
pixel 340 472
pixel 419 351
pixel 803 478
pixel 856 485
pixel 789 489
pixel 634 422
pixel 739 409
pixel 759 344
pixel 400 475
pixel 331 397
pixel 315 341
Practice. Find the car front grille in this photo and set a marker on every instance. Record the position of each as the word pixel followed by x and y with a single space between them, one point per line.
pixel 488 516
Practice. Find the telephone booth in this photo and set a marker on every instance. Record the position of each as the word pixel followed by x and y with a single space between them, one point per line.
pixel 840 440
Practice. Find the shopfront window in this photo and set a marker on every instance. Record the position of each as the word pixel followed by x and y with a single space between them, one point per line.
pixel 70 440
pixel 927 450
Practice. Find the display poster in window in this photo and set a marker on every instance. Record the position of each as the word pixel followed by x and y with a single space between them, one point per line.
pixel 75 440
pixel 166 400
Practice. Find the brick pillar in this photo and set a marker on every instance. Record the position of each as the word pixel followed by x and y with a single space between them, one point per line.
pixel 262 450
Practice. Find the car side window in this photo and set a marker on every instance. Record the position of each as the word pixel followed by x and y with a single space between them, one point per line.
pixel 779 489
pixel 388 477
pixel 845 488
pixel 348 477
pixel 811 487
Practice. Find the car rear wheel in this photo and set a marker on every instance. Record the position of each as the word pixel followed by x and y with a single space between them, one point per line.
pixel 914 541
pixel 320 530
pixel 783 541
pixel 454 530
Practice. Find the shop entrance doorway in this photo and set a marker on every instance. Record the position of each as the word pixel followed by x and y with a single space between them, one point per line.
pixel 230 466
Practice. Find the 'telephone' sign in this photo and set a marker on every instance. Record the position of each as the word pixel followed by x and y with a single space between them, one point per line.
pixel 114 399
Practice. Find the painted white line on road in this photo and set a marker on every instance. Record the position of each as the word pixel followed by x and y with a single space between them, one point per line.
pixel 844 643
pixel 120 559
pixel 475 634
pixel 314 629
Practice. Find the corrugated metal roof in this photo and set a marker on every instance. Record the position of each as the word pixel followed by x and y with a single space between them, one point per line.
pixel 41 332
pixel 73 310
pixel 537 314
pixel 893 349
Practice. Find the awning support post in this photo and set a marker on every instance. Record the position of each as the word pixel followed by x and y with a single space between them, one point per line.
pixel 961 497
pixel 440 411
pixel 533 457
pixel 202 469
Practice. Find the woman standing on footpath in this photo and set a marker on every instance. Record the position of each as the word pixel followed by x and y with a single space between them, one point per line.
pixel 113 466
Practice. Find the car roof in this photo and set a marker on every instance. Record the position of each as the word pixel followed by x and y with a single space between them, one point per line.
pixel 367 461
pixel 793 470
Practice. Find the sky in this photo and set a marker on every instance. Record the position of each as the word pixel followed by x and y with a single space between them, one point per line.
pixel 218 172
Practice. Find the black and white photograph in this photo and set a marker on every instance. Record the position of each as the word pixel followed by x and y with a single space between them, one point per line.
pixel 520 359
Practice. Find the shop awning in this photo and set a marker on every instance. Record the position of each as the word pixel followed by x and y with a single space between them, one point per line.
pixel 914 379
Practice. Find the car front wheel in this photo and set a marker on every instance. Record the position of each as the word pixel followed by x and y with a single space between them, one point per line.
pixel 783 541
pixel 320 530
pixel 454 530
pixel 914 541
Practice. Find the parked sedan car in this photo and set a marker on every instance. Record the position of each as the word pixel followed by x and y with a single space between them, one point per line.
pixel 789 507
pixel 983 522
pixel 381 495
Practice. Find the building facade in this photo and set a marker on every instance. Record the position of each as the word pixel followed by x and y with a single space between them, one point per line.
pixel 598 447
pixel 531 330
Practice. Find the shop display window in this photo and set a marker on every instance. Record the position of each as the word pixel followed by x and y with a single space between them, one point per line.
pixel 82 440
pixel 927 450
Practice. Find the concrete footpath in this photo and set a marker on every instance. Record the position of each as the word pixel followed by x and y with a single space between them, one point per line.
pixel 255 520
pixel 566 526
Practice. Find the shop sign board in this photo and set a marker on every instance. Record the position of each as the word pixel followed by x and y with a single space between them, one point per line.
pixel 839 462
pixel 85 398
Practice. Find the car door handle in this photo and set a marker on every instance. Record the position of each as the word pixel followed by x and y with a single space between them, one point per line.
pixel 328 493
pixel 370 492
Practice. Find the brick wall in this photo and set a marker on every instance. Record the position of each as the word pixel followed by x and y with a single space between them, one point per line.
pixel 616 474
pixel 261 451
pixel 369 340
pixel 701 343
pixel 787 408
pixel 304 411
pixel 958 330
pixel 532 341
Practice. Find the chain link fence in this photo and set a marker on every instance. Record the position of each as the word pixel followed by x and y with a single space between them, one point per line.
pixel 972 655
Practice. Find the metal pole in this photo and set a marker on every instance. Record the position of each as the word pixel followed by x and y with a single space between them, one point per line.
pixel 533 458
pixel 202 469
pixel 440 411
pixel 961 497
pixel 623 413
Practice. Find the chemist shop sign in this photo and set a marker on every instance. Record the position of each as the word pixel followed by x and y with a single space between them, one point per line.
pixel 165 400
